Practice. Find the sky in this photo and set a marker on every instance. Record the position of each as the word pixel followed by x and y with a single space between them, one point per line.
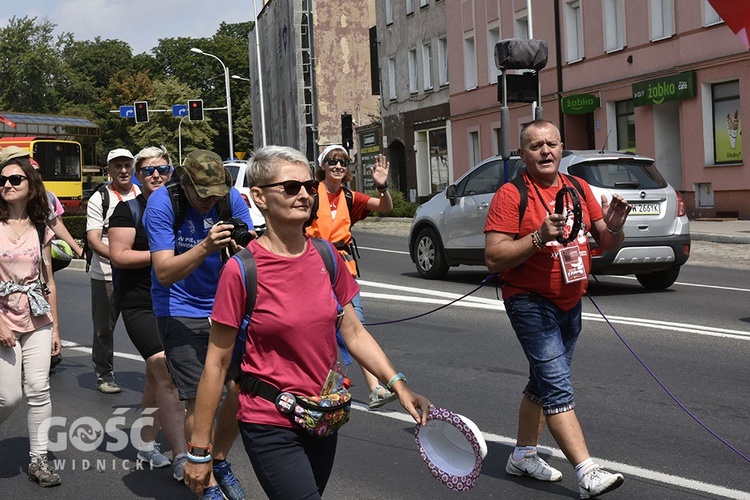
pixel 140 23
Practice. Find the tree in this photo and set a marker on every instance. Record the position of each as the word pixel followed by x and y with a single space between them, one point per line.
pixel 28 65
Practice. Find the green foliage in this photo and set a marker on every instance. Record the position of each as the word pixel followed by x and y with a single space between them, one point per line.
pixel 76 224
pixel 401 207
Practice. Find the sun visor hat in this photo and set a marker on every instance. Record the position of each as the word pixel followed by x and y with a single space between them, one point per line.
pixel 207 173
pixel 452 447
pixel 332 147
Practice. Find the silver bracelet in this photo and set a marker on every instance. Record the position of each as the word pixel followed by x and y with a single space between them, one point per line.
pixel 613 231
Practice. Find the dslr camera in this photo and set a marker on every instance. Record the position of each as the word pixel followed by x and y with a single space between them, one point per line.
pixel 240 232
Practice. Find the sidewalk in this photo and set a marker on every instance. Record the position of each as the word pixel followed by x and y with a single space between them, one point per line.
pixel 720 231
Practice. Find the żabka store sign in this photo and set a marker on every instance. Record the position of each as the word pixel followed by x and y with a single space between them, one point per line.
pixel 579 104
pixel 661 90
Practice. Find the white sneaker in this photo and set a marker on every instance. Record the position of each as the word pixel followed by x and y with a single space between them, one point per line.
pixel 534 466
pixel 597 482
pixel 153 456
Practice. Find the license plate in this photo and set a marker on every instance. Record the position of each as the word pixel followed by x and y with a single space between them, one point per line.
pixel 645 209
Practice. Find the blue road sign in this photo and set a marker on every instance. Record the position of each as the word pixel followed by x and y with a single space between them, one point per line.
pixel 129 111
pixel 179 110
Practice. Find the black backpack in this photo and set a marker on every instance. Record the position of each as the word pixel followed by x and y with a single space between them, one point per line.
pixel 88 253
pixel 348 195
pixel 180 204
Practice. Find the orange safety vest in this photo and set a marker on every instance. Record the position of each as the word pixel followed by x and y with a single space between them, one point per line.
pixel 337 230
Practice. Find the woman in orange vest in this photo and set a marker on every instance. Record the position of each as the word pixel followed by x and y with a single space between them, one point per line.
pixel 335 210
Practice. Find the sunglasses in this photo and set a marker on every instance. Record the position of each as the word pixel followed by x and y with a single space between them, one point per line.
pixel 333 161
pixel 292 187
pixel 14 179
pixel 162 169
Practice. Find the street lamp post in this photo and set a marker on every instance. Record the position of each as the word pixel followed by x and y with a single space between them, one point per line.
pixel 260 76
pixel 179 139
pixel 229 98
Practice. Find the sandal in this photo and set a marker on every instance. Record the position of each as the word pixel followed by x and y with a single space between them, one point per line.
pixel 381 396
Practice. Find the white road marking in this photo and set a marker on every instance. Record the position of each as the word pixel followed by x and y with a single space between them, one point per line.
pixel 625 469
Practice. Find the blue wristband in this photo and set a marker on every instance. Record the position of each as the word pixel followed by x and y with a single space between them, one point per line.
pixel 198 460
pixel 396 378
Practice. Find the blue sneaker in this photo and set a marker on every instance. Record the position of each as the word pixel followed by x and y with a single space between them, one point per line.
pixel 213 493
pixel 229 485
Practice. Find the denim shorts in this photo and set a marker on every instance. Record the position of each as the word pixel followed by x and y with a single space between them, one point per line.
pixel 548 337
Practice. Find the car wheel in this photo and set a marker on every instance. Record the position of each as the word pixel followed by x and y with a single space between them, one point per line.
pixel 660 279
pixel 430 260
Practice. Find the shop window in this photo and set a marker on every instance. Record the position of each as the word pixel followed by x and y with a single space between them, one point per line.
pixel 625 125
pixel 727 125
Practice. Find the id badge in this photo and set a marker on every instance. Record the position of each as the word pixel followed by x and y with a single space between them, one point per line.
pixel 336 380
pixel 572 263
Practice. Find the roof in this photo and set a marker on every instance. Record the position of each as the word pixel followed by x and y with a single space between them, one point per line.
pixel 57 126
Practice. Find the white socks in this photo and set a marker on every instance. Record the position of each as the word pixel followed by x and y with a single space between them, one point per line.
pixel 584 467
pixel 520 452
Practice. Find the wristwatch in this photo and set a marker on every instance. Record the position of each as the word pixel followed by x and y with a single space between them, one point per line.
pixel 382 188
pixel 198 451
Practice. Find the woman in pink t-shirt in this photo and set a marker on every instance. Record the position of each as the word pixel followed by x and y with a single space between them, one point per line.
pixel 28 328
pixel 291 339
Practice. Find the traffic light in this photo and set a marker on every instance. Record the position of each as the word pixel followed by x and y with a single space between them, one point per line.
pixel 141 111
pixel 347 131
pixel 195 110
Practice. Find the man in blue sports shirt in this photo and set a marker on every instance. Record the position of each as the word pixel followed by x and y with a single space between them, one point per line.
pixel 185 264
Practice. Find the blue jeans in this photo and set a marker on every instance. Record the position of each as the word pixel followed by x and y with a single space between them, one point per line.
pixel 548 337
pixel 289 463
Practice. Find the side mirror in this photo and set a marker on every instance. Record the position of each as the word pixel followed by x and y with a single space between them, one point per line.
pixel 450 193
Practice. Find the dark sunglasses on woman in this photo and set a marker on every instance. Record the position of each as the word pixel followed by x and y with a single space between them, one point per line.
pixel 162 169
pixel 292 187
pixel 333 161
pixel 14 179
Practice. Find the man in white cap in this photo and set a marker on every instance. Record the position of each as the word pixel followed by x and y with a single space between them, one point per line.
pixel 104 305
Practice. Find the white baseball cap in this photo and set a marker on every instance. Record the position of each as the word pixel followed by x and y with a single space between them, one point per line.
pixel 119 153
pixel 453 448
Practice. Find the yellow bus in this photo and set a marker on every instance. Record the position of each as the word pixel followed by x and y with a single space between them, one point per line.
pixel 59 162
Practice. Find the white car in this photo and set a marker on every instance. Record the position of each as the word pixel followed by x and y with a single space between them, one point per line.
pixel 448 230
pixel 238 169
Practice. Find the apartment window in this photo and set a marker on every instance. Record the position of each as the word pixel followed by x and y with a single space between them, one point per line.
pixel 424 3
pixel 521 25
pixel 413 71
pixel 427 65
pixel 392 78
pixel 409 7
pixel 470 64
pixel 437 141
pixel 443 61
pixel 662 19
pixel 614 25
pixel 474 153
pixel 388 11
pixel 625 125
pixel 493 36
pixel 710 16
pixel 725 101
pixel 573 31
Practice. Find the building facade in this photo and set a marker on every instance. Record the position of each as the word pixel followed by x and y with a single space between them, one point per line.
pixel 662 78
pixel 315 64
pixel 414 86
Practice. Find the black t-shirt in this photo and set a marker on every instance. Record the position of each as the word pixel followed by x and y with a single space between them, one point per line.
pixel 132 285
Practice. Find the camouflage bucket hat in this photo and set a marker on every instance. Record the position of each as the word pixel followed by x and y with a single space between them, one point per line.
pixel 207 173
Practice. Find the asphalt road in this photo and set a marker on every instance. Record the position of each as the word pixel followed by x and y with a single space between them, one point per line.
pixel 694 337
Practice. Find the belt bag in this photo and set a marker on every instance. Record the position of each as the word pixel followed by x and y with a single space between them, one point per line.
pixel 319 416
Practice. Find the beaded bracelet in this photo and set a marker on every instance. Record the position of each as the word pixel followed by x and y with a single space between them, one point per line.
pixel 536 239
pixel 396 378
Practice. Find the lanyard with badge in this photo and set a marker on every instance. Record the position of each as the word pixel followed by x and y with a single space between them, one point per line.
pixel 570 257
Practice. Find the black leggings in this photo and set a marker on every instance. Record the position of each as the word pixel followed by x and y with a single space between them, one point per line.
pixel 289 463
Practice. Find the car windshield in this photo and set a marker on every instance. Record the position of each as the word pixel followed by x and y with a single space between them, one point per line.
pixel 234 170
pixel 625 174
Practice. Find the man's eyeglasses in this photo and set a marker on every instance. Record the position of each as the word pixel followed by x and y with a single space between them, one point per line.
pixel 14 179
pixel 341 161
pixel 292 187
pixel 162 169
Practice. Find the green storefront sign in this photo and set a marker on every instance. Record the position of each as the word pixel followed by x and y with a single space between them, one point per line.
pixel 579 104
pixel 661 90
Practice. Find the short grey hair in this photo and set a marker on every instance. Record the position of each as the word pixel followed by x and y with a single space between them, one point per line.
pixel 262 167
pixel 149 153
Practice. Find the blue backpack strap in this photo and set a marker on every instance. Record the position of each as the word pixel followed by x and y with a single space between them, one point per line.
pixel 135 211
pixel 328 254
pixel 249 274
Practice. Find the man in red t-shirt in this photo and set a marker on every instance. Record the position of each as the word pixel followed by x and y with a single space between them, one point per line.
pixel 545 272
